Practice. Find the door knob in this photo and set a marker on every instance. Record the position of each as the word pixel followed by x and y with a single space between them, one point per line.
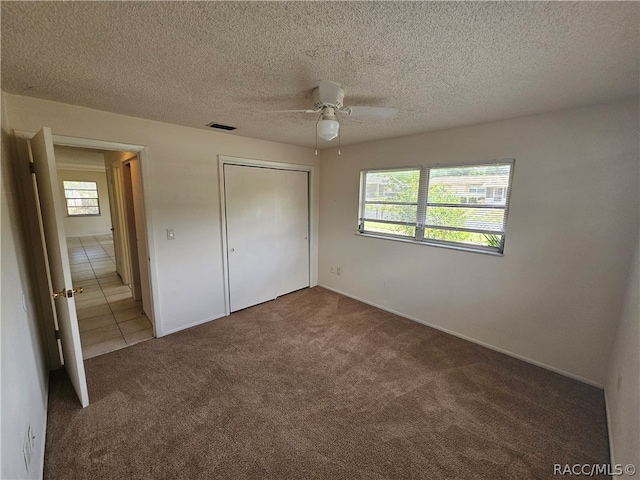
pixel 233 250
pixel 67 293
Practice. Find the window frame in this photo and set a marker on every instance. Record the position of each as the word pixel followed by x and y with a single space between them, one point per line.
pixel 422 204
pixel 66 199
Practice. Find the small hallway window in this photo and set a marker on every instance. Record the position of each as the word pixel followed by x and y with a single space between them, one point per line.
pixel 82 198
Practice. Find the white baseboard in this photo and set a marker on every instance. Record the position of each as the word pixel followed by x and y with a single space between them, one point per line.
pixel 470 339
pixel 612 454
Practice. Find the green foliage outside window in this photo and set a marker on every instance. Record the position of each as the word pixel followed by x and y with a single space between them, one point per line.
pixel 393 196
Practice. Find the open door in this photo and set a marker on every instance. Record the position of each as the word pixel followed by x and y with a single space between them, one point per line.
pixel 115 200
pixel 61 289
pixel 140 235
pixel 131 234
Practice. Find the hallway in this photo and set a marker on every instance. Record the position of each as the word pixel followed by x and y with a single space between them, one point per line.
pixel 108 317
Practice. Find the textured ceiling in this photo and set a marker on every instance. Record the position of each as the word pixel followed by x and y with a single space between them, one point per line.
pixel 443 64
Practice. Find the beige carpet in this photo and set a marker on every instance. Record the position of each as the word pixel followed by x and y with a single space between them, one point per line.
pixel 315 385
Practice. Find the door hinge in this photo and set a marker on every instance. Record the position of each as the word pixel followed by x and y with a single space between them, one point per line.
pixel 57 332
pixel 32 167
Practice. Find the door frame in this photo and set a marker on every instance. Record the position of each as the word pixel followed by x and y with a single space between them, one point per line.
pixel 249 162
pixel 142 154
pixel 123 264
pixel 131 167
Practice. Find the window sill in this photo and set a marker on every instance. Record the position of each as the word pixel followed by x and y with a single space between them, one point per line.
pixel 431 244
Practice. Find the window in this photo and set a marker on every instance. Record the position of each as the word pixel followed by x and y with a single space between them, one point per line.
pixel 460 206
pixel 82 198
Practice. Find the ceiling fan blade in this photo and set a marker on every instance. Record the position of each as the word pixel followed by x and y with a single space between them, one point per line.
pixel 329 92
pixel 370 111
pixel 294 111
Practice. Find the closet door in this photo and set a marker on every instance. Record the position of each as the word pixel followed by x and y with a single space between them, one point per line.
pixel 267 214
pixel 292 218
pixel 250 199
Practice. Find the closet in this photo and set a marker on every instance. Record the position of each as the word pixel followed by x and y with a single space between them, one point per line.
pixel 267 228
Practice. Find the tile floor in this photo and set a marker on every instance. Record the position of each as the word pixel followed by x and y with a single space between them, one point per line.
pixel 108 316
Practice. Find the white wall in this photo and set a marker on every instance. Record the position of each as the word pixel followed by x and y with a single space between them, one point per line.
pixel 622 387
pixel 555 295
pixel 83 226
pixel 554 298
pixel 24 373
pixel 180 180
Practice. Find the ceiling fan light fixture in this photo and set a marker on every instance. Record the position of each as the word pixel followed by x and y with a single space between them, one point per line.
pixel 328 129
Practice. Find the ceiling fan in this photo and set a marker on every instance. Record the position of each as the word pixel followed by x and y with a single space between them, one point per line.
pixel 328 100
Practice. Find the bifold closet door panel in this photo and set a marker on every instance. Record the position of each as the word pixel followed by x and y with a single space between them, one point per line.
pixel 250 201
pixel 292 219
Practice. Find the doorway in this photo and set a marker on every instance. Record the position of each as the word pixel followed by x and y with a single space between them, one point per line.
pixel 46 225
pixel 99 204
pixel 46 205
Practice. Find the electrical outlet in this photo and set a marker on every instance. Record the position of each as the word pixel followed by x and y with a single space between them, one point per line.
pixel 339 270
pixel 170 234
pixel 332 269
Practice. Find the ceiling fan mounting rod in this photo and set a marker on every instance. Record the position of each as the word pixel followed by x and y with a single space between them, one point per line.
pixel 328 113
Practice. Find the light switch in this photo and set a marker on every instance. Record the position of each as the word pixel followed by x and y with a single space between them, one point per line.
pixel 170 234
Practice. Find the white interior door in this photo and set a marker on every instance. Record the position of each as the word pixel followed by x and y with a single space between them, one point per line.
pixel 251 231
pixel 55 244
pixel 141 237
pixel 116 222
pixel 132 237
pixel 267 215
pixel 292 220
